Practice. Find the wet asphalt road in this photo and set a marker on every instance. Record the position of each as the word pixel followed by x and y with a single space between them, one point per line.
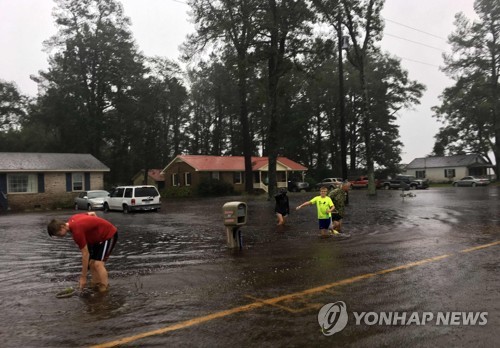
pixel 171 272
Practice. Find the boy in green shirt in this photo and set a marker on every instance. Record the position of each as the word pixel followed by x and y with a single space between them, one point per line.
pixel 325 207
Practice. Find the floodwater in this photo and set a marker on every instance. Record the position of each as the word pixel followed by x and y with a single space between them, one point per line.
pixel 171 268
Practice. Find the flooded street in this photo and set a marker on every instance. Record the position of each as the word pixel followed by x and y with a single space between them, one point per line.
pixel 175 283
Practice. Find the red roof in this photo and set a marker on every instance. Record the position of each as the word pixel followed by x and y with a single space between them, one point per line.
pixel 231 163
pixel 156 174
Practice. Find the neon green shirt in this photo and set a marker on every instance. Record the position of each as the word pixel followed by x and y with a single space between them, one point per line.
pixel 323 204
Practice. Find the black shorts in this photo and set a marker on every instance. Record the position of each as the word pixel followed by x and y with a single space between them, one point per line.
pixel 324 224
pixel 101 251
pixel 336 217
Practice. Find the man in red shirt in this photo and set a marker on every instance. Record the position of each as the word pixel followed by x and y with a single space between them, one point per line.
pixel 96 239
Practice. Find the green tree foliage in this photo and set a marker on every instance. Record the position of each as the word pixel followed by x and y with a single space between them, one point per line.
pixel 13 106
pixel 93 65
pixel 376 87
pixel 232 26
pixel 215 122
pixel 101 96
pixel 364 25
pixel 390 91
pixel 13 109
pixel 258 75
pixel 286 27
pixel 470 109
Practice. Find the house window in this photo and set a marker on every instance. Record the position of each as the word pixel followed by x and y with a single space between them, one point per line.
pixel 237 178
pixel 22 183
pixel 187 179
pixel 420 174
pixel 77 179
pixel 449 173
pixel 175 179
pixel 215 175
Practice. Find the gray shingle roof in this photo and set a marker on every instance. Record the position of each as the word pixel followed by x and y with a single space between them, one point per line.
pixel 49 162
pixel 446 161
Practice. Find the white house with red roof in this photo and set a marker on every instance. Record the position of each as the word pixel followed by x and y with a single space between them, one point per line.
pixel 187 170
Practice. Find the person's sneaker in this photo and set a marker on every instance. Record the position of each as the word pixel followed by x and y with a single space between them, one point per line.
pixel 335 232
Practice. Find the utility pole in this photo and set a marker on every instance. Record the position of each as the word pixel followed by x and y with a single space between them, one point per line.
pixel 343 43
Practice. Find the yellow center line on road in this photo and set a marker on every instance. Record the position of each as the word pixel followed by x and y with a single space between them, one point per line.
pixel 273 301
pixel 480 247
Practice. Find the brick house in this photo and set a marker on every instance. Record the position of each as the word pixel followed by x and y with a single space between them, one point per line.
pixel 187 170
pixel 47 180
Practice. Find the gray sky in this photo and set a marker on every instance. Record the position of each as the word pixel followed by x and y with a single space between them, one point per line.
pixel 160 26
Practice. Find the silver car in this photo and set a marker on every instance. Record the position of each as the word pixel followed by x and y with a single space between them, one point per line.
pixel 471 181
pixel 91 200
pixel 330 183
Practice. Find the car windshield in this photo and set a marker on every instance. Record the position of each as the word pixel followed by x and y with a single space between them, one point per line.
pixel 97 194
pixel 146 192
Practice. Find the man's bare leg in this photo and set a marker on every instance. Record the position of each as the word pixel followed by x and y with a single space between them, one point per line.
pixel 99 275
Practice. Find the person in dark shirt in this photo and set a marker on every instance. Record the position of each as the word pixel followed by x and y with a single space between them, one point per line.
pixel 282 208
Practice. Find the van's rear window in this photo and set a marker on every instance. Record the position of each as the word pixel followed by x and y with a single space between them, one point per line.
pixel 146 192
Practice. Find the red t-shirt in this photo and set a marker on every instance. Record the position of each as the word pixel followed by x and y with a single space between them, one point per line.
pixel 87 229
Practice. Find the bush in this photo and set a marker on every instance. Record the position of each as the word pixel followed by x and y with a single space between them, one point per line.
pixel 214 187
pixel 62 204
pixel 177 192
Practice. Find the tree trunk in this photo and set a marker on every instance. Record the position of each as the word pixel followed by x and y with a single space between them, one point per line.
pixel 273 66
pixel 367 133
pixel 343 143
pixel 496 108
pixel 245 129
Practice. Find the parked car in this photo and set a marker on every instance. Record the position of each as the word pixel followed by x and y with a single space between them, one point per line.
pixel 133 198
pixel 362 182
pixel 405 182
pixel 298 186
pixel 330 183
pixel 91 200
pixel 471 181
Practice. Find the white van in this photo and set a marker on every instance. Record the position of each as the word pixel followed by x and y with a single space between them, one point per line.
pixel 133 198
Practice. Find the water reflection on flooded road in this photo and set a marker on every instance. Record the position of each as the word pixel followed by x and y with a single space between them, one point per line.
pixel 174 266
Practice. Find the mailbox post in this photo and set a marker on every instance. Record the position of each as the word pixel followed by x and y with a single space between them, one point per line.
pixel 234 215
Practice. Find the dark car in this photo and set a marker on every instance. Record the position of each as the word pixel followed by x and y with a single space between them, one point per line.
pixel 405 182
